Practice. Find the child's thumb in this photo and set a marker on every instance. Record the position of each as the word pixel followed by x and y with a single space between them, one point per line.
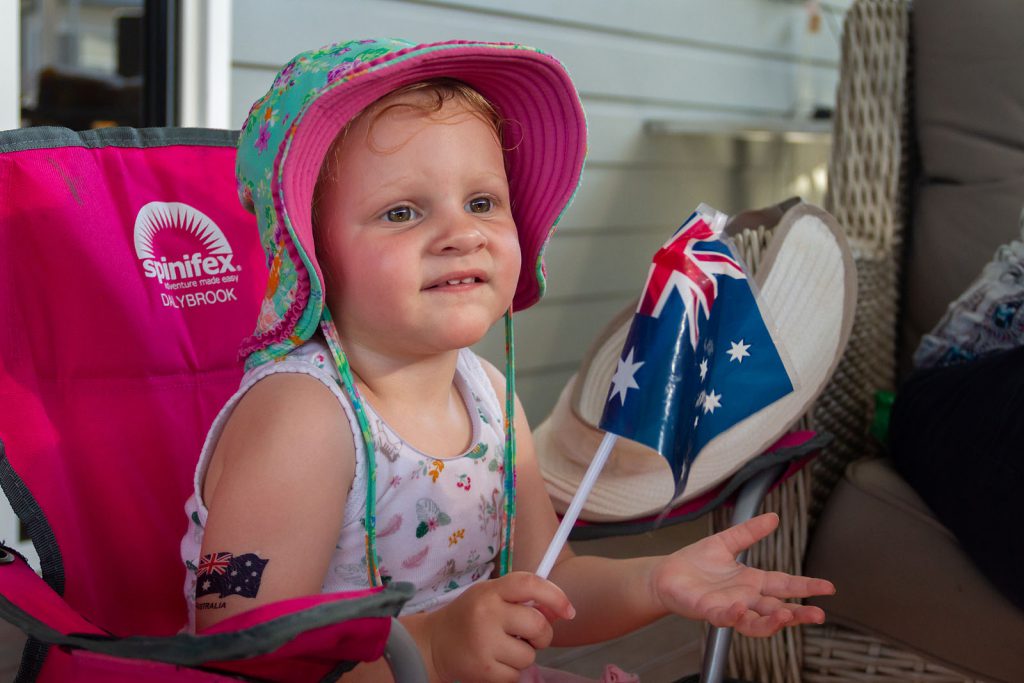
pixel 552 616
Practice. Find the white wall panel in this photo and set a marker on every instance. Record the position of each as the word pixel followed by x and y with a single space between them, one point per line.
pixel 755 26
pixel 615 66
pixel 10 82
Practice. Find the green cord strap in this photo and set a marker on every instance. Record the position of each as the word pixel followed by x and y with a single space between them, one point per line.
pixel 510 445
pixel 370 521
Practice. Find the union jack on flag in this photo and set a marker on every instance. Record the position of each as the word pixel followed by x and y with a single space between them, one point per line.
pixel 214 563
pixel 681 265
pixel 699 357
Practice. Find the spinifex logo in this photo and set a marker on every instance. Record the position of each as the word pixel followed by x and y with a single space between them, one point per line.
pixel 194 266
pixel 182 249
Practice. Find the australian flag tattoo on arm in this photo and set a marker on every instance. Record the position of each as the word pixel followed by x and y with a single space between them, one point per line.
pixel 226 574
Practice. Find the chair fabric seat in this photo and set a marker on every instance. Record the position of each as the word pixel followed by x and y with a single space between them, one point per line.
pixel 127 281
pixel 899 573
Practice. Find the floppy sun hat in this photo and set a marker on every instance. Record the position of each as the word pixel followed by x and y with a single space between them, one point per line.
pixel 289 130
pixel 808 288
pixel 286 137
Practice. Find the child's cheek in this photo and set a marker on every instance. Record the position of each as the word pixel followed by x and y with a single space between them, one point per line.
pixel 513 253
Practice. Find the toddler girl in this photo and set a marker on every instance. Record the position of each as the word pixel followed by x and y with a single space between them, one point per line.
pixel 404 195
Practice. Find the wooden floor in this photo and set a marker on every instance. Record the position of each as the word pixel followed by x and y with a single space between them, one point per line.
pixel 662 652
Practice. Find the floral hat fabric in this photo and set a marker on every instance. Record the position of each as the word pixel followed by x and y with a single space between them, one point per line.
pixel 289 130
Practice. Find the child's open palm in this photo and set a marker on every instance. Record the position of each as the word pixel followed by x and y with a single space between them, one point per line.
pixel 704 581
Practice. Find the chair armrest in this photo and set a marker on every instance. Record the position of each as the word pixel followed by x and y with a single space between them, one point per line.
pixel 297 639
pixel 29 603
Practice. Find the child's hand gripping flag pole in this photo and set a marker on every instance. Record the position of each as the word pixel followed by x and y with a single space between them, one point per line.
pixel 698 359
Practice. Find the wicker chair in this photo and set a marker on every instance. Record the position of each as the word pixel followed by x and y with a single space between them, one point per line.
pixel 873 174
pixel 869 184
pixel 866 177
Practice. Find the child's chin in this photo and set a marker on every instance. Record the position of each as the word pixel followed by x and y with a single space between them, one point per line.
pixel 459 334
pixel 462 339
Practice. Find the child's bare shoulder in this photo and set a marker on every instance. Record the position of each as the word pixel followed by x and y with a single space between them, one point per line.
pixel 290 402
pixel 286 424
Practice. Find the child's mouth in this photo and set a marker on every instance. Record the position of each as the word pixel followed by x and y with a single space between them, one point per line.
pixel 456 282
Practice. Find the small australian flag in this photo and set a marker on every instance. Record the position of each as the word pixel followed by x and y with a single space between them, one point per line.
pixel 227 574
pixel 698 358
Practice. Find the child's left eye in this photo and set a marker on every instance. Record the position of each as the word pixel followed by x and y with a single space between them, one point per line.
pixel 400 214
pixel 479 205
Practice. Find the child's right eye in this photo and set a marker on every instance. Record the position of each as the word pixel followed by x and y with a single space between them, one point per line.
pixel 400 214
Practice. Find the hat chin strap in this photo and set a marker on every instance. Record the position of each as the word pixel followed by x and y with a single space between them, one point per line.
pixel 370 521
pixel 510 445
pixel 349 385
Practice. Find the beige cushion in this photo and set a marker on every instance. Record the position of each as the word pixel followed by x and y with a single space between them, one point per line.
pixel 901 576
pixel 968 121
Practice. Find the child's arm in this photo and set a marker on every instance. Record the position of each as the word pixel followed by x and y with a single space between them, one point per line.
pixel 277 487
pixel 700 581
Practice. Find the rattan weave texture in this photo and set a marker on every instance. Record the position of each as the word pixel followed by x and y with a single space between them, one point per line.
pixel 868 190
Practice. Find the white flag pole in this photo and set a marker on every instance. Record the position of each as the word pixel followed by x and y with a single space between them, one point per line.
pixel 573 513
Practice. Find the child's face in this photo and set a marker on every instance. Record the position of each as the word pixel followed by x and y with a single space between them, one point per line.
pixel 418 234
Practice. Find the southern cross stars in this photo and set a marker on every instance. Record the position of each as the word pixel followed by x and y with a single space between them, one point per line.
pixel 712 401
pixel 738 351
pixel 623 380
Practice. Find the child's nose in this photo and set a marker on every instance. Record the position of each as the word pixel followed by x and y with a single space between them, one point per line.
pixel 460 236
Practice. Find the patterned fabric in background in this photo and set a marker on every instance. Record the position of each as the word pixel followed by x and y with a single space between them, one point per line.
pixel 988 317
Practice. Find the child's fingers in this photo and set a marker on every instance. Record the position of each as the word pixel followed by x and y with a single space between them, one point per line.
pixel 502 671
pixel 523 587
pixel 765 617
pixel 800 614
pixel 517 653
pixel 528 624
pixel 742 536
pixel 782 585
pixel 746 621
pixel 753 624
pixel 726 616
pixel 551 616
pixel 767 605
pixel 761 625
pixel 807 614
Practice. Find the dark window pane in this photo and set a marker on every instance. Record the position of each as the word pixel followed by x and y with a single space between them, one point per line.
pixel 81 63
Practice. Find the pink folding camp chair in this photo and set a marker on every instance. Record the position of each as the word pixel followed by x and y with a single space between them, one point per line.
pixel 129 274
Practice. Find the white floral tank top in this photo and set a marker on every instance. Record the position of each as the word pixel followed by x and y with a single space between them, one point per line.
pixel 438 520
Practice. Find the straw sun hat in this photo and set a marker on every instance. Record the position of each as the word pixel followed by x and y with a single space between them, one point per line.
pixel 807 283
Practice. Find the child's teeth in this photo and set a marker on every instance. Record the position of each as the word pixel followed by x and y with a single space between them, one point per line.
pixel 453 282
pixel 468 280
